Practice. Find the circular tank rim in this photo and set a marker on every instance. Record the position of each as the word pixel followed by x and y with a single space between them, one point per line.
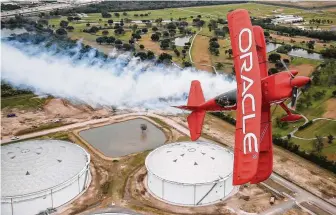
pixel 190 205
pixel 85 168
pixel 175 182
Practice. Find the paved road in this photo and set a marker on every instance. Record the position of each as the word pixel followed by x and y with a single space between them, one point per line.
pixel 300 196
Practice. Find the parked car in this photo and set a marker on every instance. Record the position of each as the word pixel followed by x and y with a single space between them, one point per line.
pixel 15 138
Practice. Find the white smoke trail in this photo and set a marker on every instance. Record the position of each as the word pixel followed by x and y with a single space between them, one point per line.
pixel 90 80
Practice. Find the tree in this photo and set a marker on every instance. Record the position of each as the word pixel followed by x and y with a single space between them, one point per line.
pixel 70 18
pixel 165 44
pixel 87 24
pixel 118 42
pixel 177 52
pixel 184 52
pixel 119 30
pixel 134 27
pixel 124 13
pixel 187 64
pixel 289 136
pixel 64 24
pixel 61 31
pixel 142 46
pixel 272 71
pixel 110 40
pixel 99 40
pixel 165 34
pixel 106 15
pixel 267 34
pixel 219 65
pixel 155 29
pixel 105 32
pixel 110 22
pixel 330 138
pixel 127 46
pixel 70 28
pixel 155 37
pixel 141 55
pixel 150 55
pixel 318 144
pixel 164 57
pixel 116 14
pixel 274 57
pixel 144 30
pixel 77 18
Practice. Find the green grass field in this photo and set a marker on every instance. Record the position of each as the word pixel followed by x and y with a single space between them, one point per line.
pixel 320 127
pixel 328 150
pixel 22 102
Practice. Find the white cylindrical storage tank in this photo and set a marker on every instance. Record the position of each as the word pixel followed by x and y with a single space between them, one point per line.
pixel 39 175
pixel 190 173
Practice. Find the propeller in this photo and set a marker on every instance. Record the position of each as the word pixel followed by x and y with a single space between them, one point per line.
pixel 294 97
pixel 307 86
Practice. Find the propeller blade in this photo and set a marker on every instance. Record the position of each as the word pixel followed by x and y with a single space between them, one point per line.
pixel 294 97
pixel 307 86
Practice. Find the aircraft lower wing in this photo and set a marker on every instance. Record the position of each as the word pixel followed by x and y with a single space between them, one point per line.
pixel 247 138
pixel 265 163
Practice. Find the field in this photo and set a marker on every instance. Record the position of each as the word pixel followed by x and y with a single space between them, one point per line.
pixel 320 127
pixel 22 102
pixel 207 13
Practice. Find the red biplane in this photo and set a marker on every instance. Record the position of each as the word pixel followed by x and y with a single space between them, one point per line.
pixel 256 92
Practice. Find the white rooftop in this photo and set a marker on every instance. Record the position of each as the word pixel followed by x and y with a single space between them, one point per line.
pixel 190 162
pixel 35 165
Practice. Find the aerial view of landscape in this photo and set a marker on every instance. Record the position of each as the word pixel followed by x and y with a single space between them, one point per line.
pixel 168 107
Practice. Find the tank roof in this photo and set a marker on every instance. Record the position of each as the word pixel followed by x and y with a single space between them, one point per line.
pixel 35 165
pixel 190 162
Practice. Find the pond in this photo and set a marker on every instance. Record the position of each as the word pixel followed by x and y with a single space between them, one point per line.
pixel 180 41
pixel 298 52
pixel 124 138
pixel 304 53
pixel 271 47
pixel 6 32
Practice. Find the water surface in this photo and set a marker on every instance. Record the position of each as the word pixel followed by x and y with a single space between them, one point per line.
pixel 124 138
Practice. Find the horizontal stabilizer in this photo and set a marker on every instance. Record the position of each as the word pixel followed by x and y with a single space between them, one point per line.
pixel 195 123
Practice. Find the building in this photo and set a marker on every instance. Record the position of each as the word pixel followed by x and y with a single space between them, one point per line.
pixel 190 173
pixel 41 174
pixel 286 19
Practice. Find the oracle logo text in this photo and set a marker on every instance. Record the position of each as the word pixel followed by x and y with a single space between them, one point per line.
pixel 250 140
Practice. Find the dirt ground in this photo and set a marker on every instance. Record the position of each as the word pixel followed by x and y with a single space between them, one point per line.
pixel 54 109
pixel 296 211
pixel 304 69
pixel 330 109
pixel 292 167
pixel 200 53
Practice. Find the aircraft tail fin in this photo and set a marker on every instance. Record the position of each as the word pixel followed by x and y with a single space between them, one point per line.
pixel 196 118
pixel 195 124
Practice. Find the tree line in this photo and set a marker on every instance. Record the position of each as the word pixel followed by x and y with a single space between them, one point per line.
pixel 291 31
pixel 118 6
pixel 314 157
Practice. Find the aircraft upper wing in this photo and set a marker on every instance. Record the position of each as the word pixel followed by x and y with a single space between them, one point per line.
pixel 265 164
pixel 247 138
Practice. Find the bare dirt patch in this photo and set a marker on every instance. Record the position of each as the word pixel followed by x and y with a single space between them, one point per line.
pixel 55 109
pixel 304 69
pixel 296 211
pixel 200 53
pixel 330 109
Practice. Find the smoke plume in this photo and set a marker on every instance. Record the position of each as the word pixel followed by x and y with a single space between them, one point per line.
pixel 122 81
